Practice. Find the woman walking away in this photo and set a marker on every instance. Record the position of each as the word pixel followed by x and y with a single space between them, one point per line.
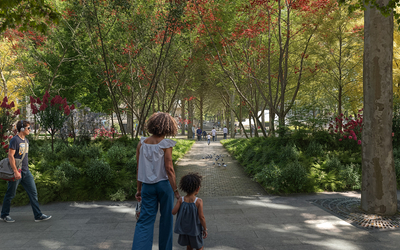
pixel 156 183
pixel 190 223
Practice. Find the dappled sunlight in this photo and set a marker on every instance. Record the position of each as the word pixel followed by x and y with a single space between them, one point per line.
pixel 280 206
pixel 335 244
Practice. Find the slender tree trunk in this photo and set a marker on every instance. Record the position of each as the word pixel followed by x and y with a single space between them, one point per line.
pixel 201 112
pixel 251 131
pixel 340 107
pixel 183 116
pixel 232 115
pixel 191 119
pixel 271 122
pixel 378 193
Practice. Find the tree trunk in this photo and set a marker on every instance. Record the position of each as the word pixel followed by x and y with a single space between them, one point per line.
pixel 271 122
pixel 251 131
pixel 191 119
pixel 339 116
pixel 183 117
pixel 378 194
pixel 201 112
pixel 232 115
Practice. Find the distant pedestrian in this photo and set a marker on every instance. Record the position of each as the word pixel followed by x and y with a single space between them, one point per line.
pixel 213 133
pixel 204 134
pixel 193 131
pixel 209 138
pixel 190 222
pixel 199 133
pixel 225 130
pixel 156 185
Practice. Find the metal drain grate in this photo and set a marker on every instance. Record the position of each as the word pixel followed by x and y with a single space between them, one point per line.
pixel 349 209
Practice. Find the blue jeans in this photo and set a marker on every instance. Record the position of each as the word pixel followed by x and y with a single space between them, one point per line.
pixel 28 183
pixel 225 134
pixel 152 195
pixel 208 141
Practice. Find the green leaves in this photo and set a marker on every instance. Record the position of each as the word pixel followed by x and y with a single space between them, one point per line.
pixel 24 15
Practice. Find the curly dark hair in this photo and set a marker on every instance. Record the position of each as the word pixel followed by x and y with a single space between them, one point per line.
pixel 162 124
pixel 190 183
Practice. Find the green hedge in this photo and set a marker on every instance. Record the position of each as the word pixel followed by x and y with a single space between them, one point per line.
pixel 301 161
pixel 100 170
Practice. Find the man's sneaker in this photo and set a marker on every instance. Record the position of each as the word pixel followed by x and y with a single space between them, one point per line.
pixel 43 217
pixel 8 219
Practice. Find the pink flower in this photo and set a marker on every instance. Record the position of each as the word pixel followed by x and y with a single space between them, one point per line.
pixel 350 137
pixel 33 100
pixel 39 101
pixel 359 142
pixel 43 107
pixel 392 134
pixel 17 112
pixel 345 136
pixel 5 99
pixel 12 105
pixel 67 111
pixel 340 139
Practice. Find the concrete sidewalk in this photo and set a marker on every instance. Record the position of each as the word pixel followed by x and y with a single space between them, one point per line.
pixel 252 220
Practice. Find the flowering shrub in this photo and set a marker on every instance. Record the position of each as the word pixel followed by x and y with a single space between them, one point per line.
pixel 51 115
pixel 7 119
pixel 347 128
pixel 103 133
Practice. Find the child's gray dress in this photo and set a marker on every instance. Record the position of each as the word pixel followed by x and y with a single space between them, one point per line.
pixel 188 225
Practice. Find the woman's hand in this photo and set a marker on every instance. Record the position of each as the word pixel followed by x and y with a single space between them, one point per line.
pixel 205 234
pixel 138 196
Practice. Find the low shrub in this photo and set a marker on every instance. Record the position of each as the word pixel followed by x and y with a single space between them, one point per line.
pixel 99 171
pixel 117 154
pixel 67 172
pixel 350 175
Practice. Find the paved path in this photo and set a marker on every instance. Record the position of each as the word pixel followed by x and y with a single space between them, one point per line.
pixel 248 220
pixel 217 181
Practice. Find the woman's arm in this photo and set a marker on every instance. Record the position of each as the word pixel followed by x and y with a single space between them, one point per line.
pixel 199 204
pixel 169 168
pixel 177 206
pixel 138 194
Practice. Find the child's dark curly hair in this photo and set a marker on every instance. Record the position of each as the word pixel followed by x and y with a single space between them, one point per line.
pixel 162 124
pixel 190 183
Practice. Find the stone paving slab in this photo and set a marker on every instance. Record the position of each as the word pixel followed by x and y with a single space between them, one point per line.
pixel 241 220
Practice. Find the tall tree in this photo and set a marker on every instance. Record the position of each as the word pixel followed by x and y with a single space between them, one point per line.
pixel 379 191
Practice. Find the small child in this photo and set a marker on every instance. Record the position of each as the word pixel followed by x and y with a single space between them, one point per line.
pixel 190 223
pixel 208 139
